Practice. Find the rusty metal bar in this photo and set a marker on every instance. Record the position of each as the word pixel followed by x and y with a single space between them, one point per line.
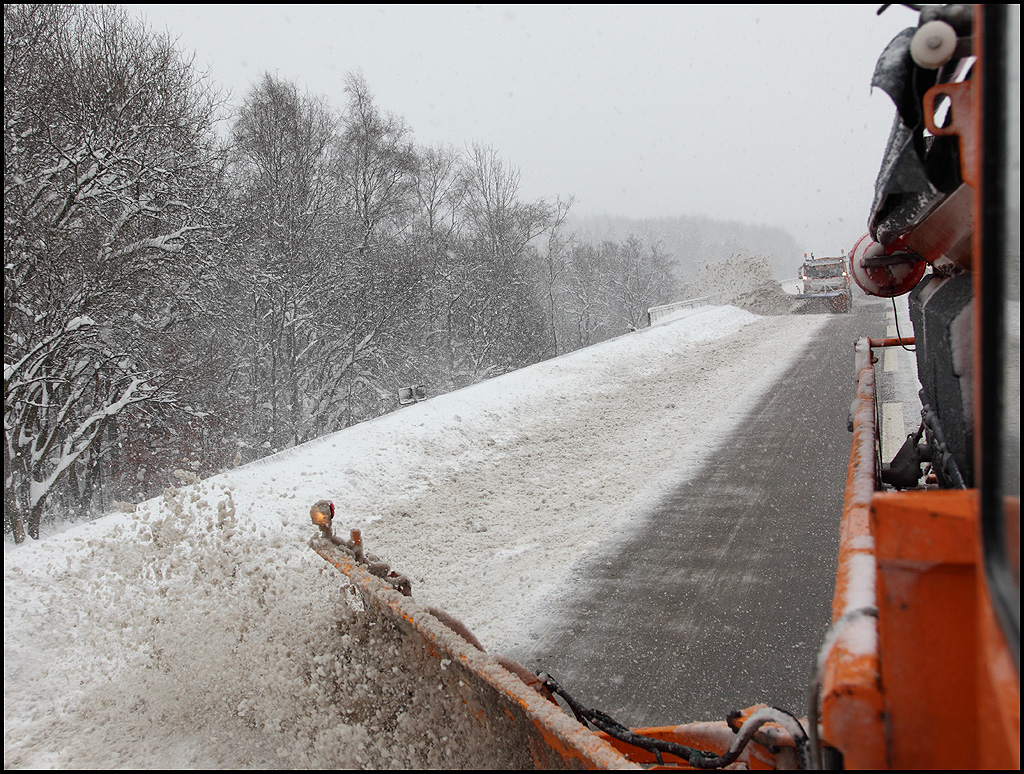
pixel 906 341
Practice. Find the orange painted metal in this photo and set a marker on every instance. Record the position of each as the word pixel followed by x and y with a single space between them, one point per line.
pixel 961 120
pixel 522 717
pixel 927 580
pixel 945 664
pixel 929 682
pixel 852 705
pixel 944 239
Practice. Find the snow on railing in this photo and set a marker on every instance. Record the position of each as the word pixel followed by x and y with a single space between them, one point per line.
pixel 656 313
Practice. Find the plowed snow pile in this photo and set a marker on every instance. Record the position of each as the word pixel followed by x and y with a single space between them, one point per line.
pixel 201 632
pixel 744 281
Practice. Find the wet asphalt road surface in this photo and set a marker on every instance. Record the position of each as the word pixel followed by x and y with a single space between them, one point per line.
pixel 720 600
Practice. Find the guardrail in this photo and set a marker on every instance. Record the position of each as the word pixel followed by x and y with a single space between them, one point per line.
pixel 656 313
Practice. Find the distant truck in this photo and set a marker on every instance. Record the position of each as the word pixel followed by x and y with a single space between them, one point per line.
pixel 827 279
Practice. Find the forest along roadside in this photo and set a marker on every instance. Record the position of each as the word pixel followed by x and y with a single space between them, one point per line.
pixel 721 596
pixel 498 537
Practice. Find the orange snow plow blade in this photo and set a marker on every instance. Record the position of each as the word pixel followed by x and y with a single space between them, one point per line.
pixel 520 719
pixel 511 705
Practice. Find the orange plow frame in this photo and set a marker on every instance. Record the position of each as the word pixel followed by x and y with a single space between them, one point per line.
pixel 919 674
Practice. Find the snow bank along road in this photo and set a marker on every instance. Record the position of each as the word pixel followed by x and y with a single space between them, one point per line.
pixel 203 626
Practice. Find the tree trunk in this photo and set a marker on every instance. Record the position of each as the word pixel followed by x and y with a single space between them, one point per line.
pixel 13 514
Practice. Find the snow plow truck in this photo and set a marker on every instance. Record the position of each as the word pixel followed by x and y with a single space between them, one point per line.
pixel 921 666
pixel 827 280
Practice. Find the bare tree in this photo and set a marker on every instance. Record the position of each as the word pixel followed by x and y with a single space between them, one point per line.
pixel 553 274
pixel 585 302
pixel 377 166
pixel 286 226
pixel 640 278
pixel 60 395
pixel 108 181
pixel 440 194
pixel 376 271
pixel 503 320
pixel 434 236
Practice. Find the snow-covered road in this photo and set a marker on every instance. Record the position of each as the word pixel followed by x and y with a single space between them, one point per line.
pixel 564 471
pixel 203 625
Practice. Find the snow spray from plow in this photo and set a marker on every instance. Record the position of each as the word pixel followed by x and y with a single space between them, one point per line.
pixel 517 708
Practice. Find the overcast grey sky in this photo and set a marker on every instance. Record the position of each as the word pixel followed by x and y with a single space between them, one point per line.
pixel 756 113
